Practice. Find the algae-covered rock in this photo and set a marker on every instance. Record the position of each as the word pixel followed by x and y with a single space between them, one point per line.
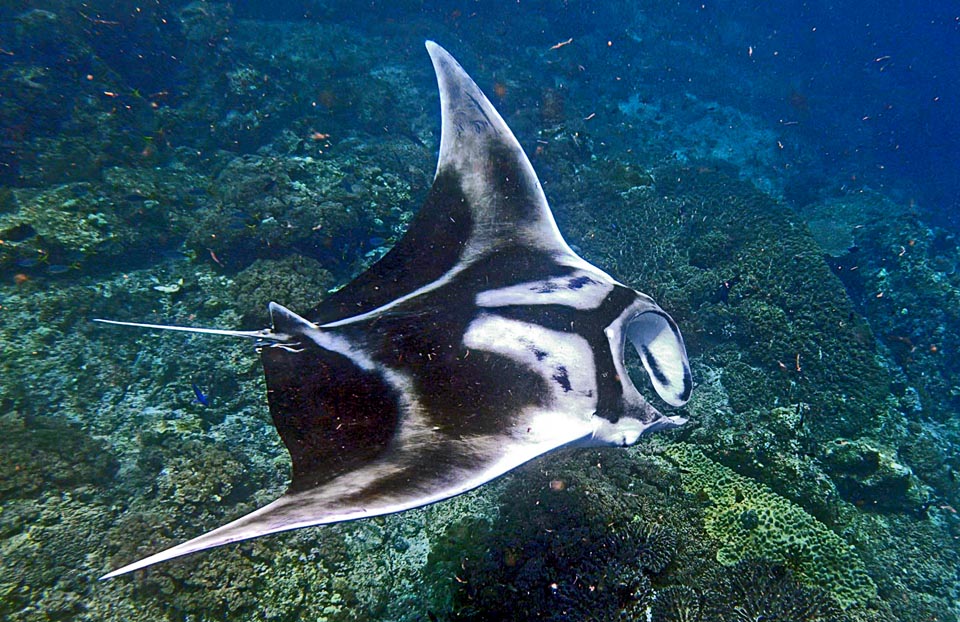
pixel 131 212
pixel 327 208
pixel 296 282
pixel 749 520
pixel 70 216
pixel 45 452
pixel 871 475
pixel 52 518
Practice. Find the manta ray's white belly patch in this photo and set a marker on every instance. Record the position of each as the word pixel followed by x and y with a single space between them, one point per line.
pixel 563 360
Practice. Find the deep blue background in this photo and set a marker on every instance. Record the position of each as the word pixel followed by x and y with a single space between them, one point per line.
pixel 873 87
pixel 882 82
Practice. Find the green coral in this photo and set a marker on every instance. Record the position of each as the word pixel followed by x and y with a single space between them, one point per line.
pixel 747 387
pixel 749 520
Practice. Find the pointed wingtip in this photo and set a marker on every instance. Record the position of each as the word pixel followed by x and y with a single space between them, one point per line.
pixel 434 49
pixel 449 72
pixel 268 519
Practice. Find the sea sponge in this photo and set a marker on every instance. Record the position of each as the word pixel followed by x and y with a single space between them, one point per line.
pixel 751 521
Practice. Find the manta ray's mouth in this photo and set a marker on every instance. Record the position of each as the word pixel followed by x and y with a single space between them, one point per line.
pixel 656 338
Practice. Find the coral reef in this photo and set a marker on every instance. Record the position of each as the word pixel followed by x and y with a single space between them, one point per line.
pixel 566 545
pixel 46 452
pixel 569 543
pixel 677 603
pixel 751 521
pixel 299 282
pixel 902 274
pixel 758 590
pixel 558 569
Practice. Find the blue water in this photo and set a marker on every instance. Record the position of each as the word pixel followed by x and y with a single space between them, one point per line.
pixel 782 177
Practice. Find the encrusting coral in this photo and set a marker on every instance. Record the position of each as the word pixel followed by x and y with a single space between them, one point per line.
pixel 749 520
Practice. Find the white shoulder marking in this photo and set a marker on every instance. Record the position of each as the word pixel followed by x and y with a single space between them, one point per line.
pixel 579 290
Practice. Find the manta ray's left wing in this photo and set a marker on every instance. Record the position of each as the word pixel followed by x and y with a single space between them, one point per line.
pixel 485 195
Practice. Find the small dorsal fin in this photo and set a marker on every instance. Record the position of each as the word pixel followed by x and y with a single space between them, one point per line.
pixel 485 195
pixel 286 322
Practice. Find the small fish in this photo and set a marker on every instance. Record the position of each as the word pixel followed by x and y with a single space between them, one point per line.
pixel 174 255
pixel 202 398
pixel 215 259
pixel 377 241
pixel 58 268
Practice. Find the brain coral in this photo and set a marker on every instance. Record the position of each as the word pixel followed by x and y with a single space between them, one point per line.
pixel 749 520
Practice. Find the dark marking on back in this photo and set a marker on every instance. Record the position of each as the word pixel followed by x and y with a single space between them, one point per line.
pixel 579 282
pixel 562 378
pixel 432 246
pixel 333 416
pixel 480 109
pixel 544 288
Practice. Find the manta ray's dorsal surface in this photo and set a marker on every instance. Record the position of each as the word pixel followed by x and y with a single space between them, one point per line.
pixel 479 342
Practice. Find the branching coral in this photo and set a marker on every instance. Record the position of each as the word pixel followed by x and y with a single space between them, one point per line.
pixel 563 551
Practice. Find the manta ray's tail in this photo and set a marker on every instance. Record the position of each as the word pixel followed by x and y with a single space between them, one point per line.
pixel 276 335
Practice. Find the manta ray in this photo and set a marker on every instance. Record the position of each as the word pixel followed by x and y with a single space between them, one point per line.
pixel 480 341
